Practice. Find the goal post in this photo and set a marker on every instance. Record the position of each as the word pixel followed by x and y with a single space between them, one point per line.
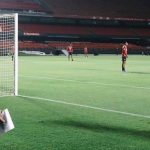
pixel 8 54
pixel 16 55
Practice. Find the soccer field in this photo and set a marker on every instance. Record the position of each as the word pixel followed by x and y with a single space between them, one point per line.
pixel 86 104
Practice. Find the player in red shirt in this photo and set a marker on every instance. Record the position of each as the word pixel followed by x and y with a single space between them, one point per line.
pixel 124 55
pixel 86 51
pixel 70 51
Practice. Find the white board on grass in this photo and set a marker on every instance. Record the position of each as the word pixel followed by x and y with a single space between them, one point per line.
pixel 65 52
pixel 9 125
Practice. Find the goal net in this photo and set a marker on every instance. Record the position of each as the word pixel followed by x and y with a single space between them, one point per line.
pixel 8 54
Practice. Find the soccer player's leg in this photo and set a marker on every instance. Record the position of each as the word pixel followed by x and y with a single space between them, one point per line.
pixel 123 63
pixel 71 57
pixel 125 66
pixel 122 66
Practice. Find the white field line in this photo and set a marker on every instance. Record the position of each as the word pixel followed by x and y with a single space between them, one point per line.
pixel 95 83
pixel 6 95
pixel 85 106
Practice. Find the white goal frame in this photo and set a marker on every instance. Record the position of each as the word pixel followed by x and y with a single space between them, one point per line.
pixel 14 50
pixel 16 54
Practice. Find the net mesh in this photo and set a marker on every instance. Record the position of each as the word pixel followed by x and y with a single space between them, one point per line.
pixel 7 50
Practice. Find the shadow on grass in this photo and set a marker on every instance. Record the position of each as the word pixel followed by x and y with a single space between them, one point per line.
pixel 100 128
pixel 134 72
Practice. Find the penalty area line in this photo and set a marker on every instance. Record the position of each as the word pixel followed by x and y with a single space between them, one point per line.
pixel 88 82
pixel 85 106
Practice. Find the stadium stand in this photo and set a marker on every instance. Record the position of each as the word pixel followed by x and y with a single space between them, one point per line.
pixel 35 46
pixel 99 8
pixel 81 30
pixel 94 48
pixel 100 25
pixel 53 29
pixel 20 5
pixel 142 32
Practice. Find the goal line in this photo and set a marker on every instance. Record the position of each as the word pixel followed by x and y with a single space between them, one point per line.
pixel 86 106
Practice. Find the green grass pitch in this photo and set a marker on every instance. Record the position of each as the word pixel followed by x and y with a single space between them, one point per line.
pixel 96 82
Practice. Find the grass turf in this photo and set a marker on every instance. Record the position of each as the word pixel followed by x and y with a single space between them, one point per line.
pixel 95 81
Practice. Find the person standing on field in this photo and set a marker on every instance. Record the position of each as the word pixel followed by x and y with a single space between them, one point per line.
pixel 70 51
pixel 86 51
pixel 124 56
